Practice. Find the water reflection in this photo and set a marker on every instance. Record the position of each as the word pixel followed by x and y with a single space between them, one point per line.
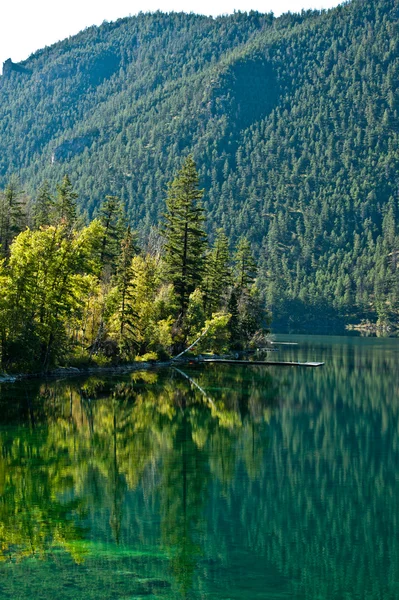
pixel 218 482
pixel 72 451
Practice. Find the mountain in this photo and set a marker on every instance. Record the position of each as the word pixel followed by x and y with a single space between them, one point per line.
pixel 293 122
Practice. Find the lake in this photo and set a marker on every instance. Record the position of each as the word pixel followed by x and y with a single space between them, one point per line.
pixel 211 482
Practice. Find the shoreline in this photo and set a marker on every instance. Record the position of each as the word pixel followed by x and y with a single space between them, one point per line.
pixel 369 327
pixel 76 372
pixel 84 370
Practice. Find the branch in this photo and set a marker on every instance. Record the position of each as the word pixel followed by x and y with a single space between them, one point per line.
pixel 192 345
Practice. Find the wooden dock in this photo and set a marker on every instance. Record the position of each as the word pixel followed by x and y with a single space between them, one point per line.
pixel 264 363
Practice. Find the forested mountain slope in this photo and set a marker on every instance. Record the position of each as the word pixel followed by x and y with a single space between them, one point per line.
pixel 293 123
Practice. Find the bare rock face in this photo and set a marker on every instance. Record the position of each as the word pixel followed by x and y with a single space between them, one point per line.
pixel 10 67
pixel 7 67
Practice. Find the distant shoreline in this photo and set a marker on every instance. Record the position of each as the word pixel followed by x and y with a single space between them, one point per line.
pixel 369 327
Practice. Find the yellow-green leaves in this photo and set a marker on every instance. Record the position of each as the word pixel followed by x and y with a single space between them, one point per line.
pixel 50 277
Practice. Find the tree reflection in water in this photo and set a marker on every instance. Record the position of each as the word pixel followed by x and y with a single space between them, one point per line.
pixel 239 483
pixel 72 452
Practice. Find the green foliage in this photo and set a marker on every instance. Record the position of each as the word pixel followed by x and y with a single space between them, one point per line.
pixel 43 207
pixel 126 314
pixel 71 293
pixel 195 316
pixel 184 233
pixel 217 278
pixel 65 203
pixel 113 220
pixel 154 304
pixel 48 280
pixel 294 120
pixel 12 215
pixel 216 338
pixel 244 265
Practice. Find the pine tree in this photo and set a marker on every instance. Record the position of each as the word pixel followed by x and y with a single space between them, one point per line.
pixel 12 217
pixel 125 288
pixel 113 219
pixel 217 278
pixel 234 323
pixel 43 208
pixel 244 265
pixel 65 204
pixel 185 236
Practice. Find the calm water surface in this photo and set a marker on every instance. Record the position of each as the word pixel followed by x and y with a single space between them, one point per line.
pixel 214 483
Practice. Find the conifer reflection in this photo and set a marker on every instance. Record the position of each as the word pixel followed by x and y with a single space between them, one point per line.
pixel 73 451
pixel 221 479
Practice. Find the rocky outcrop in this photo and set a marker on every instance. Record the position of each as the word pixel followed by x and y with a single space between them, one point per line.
pixel 10 67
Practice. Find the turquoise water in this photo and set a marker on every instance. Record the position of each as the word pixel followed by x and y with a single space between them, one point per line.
pixel 216 482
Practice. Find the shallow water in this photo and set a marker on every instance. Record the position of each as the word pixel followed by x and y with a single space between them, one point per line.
pixel 217 482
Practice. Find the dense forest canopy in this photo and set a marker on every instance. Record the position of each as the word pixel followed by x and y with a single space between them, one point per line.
pixel 90 294
pixel 293 122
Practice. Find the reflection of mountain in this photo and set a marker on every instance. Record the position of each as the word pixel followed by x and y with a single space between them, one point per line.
pixel 74 453
pixel 242 482
pixel 325 503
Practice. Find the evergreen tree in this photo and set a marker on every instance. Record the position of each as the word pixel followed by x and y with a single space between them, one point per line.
pixel 245 268
pixel 43 208
pixel 184 233
pixel 65 204
pixel 12 215
pixel 125 289
pixel 298 135
pixel 57 301
pixel 113 220
pixel 234 323
pixel 4 309
pixel 217 278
